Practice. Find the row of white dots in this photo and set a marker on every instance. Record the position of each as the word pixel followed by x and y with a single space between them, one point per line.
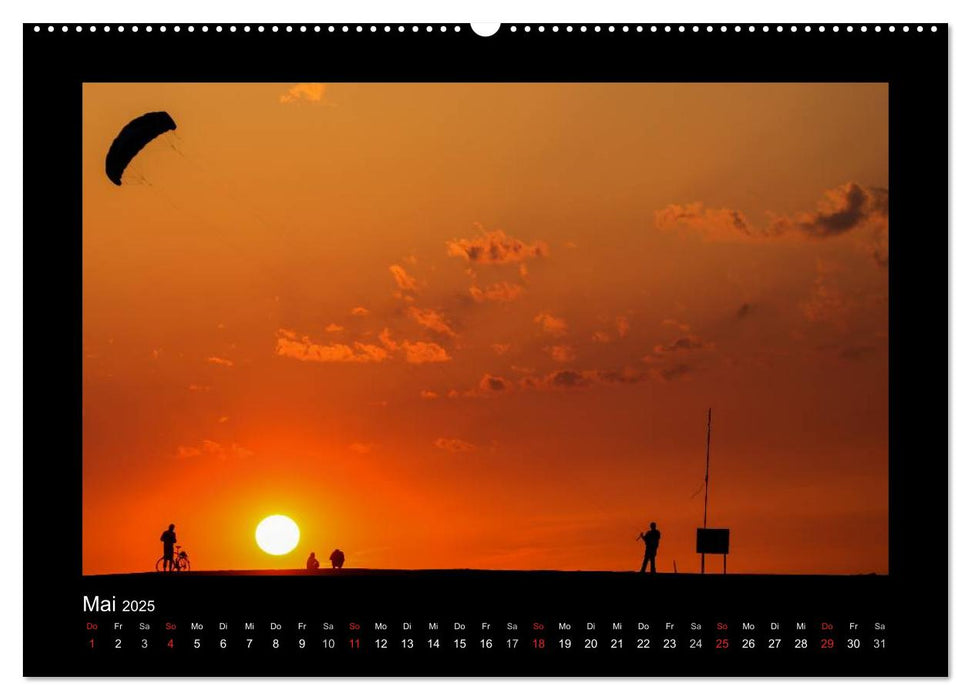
pixel 513 28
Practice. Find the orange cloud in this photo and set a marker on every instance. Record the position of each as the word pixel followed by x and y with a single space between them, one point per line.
pixel 361 448
pixel 562 353
pixel 600 337
pixel 551 324
pixel 306 92
pixel 847 209
pixel 500 348
pixel 359 311
pixel 404 281
pixel 454 445
pixel 500 291
pixel 495 248
pixel 420 352
pixel 715 224
pixel 305 350
pixel 428 394
pixel 333 328
pixel 221 361
pixel 432 320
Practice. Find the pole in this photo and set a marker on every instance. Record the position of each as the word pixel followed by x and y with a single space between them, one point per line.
pixel 707 464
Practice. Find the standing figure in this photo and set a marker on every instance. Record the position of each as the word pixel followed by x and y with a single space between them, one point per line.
pixel 168 549
pixel 652 538
pixel 337 559
pixel 312 563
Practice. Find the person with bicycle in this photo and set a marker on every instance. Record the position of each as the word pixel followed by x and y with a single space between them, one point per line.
pixel 168 549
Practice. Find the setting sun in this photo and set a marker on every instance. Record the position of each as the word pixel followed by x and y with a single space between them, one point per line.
pixel 277 534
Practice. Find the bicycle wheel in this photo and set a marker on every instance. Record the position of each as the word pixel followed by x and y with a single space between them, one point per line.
pixel 160 564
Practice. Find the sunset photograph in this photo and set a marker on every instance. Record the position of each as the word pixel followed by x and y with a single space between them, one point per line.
pixel 339 327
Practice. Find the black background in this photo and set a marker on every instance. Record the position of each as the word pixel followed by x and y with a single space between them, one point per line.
pixel 914 596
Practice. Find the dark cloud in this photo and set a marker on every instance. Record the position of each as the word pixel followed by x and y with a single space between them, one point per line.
pixel 686 342
pixel 567 379
pixel 843 209
pixel 491 383
pixel 848 209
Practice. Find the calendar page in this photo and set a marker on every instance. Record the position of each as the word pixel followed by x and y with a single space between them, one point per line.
pixel 597 350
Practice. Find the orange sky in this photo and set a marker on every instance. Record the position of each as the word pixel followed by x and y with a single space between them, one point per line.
pixel 480 325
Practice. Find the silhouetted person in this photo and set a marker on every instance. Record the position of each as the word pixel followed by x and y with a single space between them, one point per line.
pixel 652 538
pixel 337 559
pixel 312 563
pixel 168 549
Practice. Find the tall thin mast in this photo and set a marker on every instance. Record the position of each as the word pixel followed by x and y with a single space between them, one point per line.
pixel 707 463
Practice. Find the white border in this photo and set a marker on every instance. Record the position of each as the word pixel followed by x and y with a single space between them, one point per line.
pixel 445 11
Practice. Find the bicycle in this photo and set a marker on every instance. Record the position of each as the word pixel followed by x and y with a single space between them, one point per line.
pixel 180 561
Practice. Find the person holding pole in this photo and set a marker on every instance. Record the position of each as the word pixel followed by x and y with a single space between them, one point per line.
pixel 652 538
